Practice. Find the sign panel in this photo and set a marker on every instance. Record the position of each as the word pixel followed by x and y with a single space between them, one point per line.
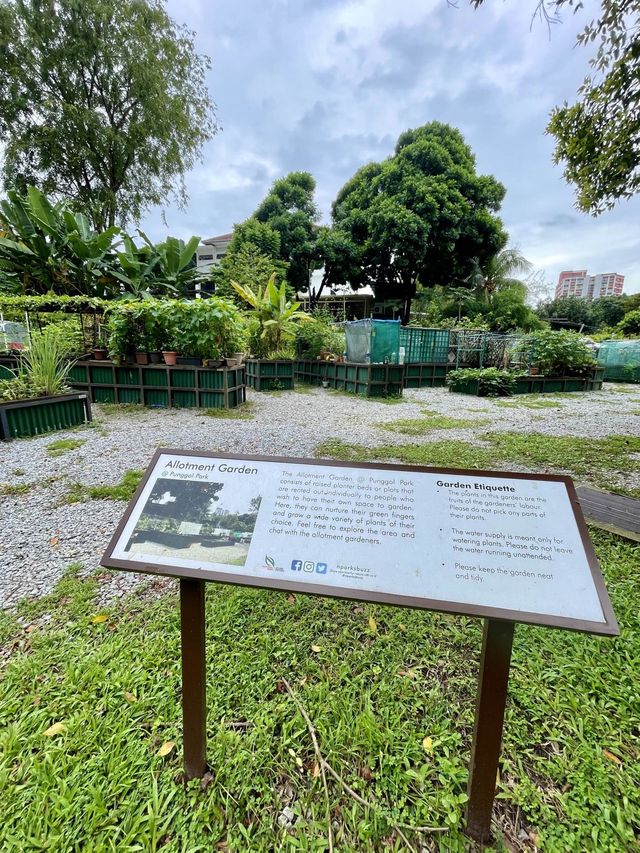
pixel 494 544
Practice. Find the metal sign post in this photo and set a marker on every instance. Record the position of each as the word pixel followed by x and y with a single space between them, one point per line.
pixel 487 735
pixel 194 683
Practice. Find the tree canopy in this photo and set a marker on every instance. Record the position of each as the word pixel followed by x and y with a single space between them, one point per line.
pixel 598 137
pixel 423 214
pixel 101 101
pixel 289 208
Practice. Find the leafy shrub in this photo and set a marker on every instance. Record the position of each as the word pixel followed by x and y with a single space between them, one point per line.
pixel 319 334
pixel 630 325
pixel 557 352
pixel 273 317
pixel 204 328
pixel 492 382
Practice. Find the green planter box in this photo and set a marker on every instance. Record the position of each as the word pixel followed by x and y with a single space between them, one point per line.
pixel 470 386
pixel 23 418
pixel 541 384
pixel 425 375
pixel 268 375
pixel 369 380
pixel 161 386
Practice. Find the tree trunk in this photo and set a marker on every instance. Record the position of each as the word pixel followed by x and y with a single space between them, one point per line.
pixel 314 298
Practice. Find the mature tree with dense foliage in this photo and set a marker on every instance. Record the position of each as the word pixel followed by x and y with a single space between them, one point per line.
pixel 290 210
pixel 101 101
pixel 598 137
pixel 248 267
pixel 630 323
pixel 423 214
pixel 571 308
pixel 339 258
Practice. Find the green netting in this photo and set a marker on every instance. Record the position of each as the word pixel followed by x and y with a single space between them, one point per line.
pixel 621 360
pixel 374 341
pixel 424 345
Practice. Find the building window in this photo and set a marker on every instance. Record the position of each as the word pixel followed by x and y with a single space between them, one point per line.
pixel 220 255
pixel 205 257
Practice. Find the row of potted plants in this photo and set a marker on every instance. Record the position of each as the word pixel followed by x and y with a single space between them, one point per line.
pixel 210 332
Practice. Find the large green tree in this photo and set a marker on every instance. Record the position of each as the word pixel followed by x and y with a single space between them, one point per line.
pixel 290 210
pixel 598 137
pixel 423 214
pixel 101 101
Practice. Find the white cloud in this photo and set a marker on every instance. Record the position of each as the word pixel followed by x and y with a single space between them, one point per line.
pixel 327 85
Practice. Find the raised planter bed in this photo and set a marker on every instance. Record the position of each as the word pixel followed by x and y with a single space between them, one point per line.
pixel 369 380
pixel 419 375
pixel 543 384
pixel 24 418
pixel 426 375
pixel 160 386
pixel 269 375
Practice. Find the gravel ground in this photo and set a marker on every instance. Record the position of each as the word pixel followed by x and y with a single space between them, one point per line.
pixel 40 535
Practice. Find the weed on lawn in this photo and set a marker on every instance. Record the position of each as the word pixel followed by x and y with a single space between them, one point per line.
pixel 122 491
pixel 593 456
pixel 423 426
pixel 63 445
pixel 245 412
pixel 90 699
pixel 9 490
pixel 443 454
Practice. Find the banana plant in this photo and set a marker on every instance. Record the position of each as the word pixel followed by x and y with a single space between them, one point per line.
pixel 46 246
pixel 275 314
pixel 176 268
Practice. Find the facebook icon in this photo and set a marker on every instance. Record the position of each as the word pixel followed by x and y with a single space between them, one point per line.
pixel 296 565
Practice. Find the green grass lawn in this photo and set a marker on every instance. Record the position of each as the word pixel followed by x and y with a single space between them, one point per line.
pixel 377 683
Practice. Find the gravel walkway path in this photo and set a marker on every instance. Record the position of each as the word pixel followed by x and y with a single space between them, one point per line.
pixel 40 535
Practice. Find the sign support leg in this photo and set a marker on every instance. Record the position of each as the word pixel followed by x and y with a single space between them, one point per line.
pixel 194 700
pixel 487 735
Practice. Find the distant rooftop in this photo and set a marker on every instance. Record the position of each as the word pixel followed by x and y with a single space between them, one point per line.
pixel 221 238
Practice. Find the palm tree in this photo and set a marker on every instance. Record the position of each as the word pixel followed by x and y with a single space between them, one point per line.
pixel 499 273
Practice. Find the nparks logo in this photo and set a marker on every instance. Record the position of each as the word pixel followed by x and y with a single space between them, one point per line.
pixel 270 564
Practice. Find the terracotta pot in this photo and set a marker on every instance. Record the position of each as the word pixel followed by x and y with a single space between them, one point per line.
pixel 99 353
pixel 142 358
pixel 169 356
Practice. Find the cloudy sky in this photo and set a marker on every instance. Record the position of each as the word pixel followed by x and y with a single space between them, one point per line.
pixel 328 85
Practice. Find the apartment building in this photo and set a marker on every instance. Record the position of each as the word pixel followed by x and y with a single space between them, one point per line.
pixel 579 283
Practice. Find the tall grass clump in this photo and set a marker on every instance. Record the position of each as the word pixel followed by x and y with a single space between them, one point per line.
pixel 45 366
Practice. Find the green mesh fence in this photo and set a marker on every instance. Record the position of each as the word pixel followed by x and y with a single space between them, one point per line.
pixel 374 341
pixel 621 360
pixel 424 346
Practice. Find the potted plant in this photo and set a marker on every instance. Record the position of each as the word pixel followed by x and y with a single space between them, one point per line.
pixel 170 356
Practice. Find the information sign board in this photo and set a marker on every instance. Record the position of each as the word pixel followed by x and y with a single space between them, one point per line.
pixel 500 545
